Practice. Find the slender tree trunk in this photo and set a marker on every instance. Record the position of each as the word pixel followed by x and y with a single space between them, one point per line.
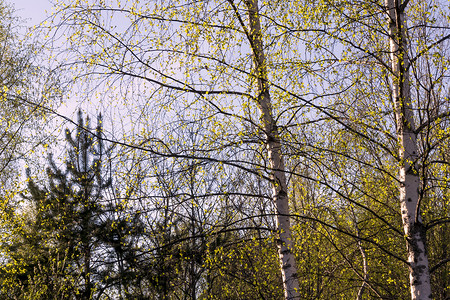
pixel 87 273
pixel 279 182
pixel 365 265
pixel 415 232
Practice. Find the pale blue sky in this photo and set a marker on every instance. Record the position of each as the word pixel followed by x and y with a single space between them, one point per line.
pixel 31 10
pixel 35 12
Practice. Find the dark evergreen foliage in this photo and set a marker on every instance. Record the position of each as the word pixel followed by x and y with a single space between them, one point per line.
pixel 75 225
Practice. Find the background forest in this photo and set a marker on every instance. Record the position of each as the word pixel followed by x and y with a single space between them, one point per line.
pixel 226 149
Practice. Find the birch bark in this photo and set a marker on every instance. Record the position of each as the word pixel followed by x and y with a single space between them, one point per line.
pixel 413 227
pixel 273 145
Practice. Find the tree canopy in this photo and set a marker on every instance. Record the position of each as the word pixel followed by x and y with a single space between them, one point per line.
pixel 258 150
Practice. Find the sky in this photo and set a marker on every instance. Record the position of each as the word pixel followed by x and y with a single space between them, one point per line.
pixel 33 11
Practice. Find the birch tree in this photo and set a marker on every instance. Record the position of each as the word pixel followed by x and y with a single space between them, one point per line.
pixel 408 153
pixel 274 152
pixel 271 86
pixel 23 90
pixel 378 52
pixel 205 65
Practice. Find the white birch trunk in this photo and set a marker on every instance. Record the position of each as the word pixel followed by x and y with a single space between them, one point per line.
pixel 279 184
pixel 415 232
pixel 365 265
